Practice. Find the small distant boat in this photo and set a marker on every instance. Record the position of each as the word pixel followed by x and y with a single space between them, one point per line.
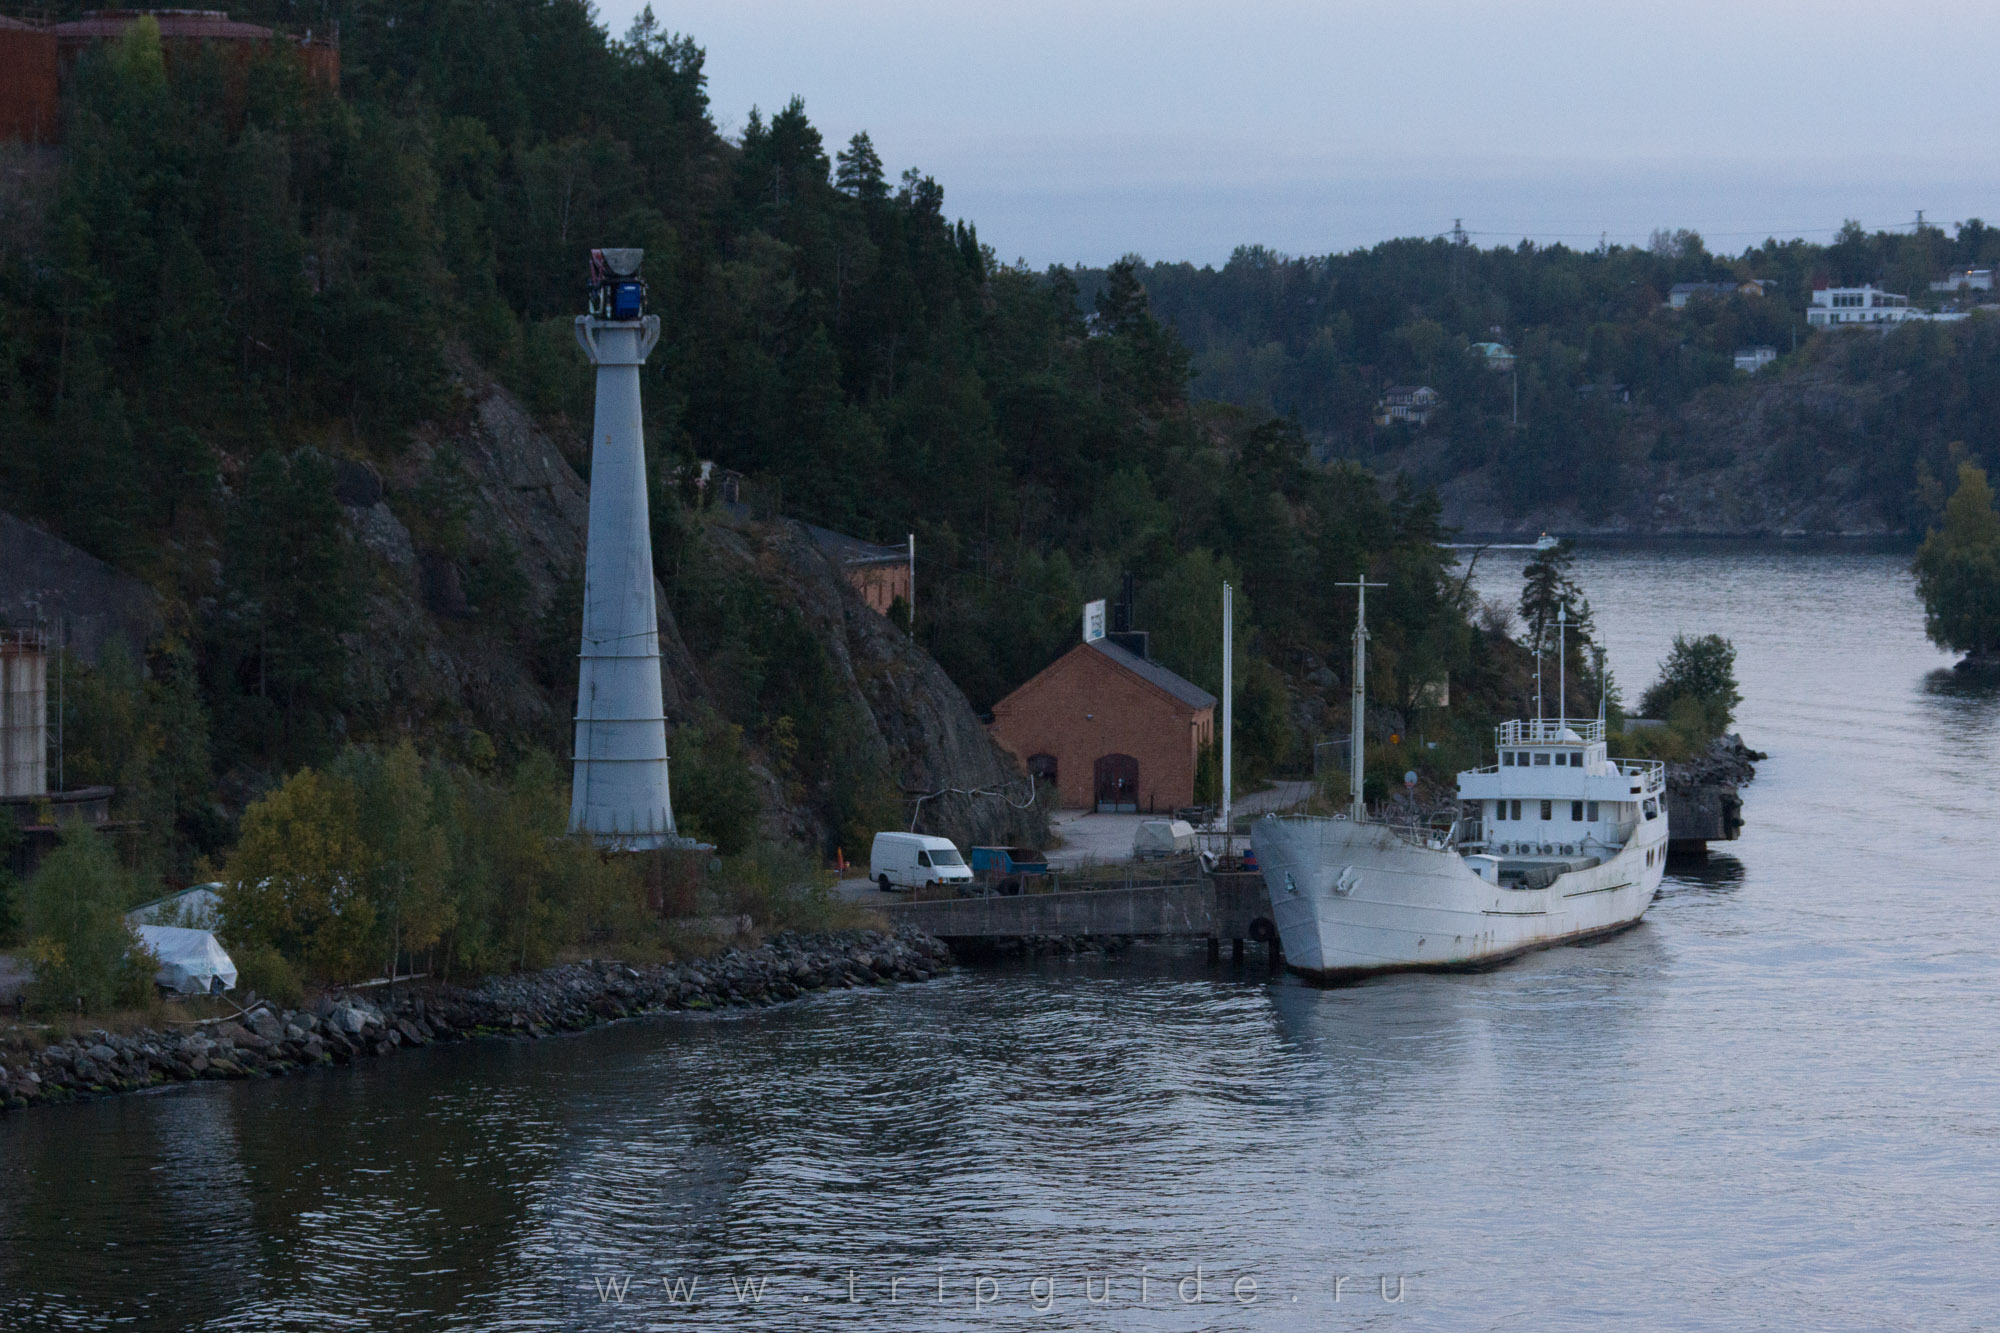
pixel 1553 842
pixel 1541 543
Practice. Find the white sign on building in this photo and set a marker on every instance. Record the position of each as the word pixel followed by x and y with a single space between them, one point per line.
pixel 1093 620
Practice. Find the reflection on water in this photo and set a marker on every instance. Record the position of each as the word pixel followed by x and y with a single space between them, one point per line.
pixel 1715 872
pixel 1771 1104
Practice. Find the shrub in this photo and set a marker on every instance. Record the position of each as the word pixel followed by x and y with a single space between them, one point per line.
pixel 82 949
pixel 1701 671
pixel 781 888
pixel 261 968
pixel 298 881
pixel 715 793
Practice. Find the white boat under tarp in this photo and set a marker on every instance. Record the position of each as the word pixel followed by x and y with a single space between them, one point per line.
pixel 1162 837
pixel 192 962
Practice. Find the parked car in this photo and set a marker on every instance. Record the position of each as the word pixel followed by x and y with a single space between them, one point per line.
pixel 910 860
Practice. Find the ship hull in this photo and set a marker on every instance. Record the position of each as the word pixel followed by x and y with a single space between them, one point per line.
pixel 1356 900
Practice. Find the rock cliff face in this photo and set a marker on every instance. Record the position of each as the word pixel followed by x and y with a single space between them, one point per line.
pixel 956 782
pixel 437 661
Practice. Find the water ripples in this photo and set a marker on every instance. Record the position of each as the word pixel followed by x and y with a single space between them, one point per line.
pixel 1770 1105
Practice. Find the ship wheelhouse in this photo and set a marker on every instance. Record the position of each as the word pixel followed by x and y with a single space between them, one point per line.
pixel 1554 793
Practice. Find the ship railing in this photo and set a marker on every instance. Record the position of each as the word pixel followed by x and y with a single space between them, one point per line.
pixel 1549 731
pixel 1437 830
pixel 1651 772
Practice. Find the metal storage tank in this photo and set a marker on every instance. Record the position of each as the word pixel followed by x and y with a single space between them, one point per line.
pixel 29 96
pixel 24 712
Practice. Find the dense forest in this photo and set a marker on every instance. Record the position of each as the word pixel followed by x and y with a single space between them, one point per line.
pixel 229 289
pixel 1606 371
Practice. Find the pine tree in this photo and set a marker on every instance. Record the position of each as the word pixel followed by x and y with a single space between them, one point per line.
pixel 858 170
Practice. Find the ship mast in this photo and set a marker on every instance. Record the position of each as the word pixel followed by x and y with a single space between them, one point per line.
pixel 1358 708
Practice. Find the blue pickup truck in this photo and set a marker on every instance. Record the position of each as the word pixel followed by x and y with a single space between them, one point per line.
pixel 1004 870
pixel 996 862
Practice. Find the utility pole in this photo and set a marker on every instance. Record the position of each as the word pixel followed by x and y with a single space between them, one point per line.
pixel 1228 707
pixel 913 585
pixel 1359 704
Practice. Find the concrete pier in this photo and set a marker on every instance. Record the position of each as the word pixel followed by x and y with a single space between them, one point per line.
pixel 1226 905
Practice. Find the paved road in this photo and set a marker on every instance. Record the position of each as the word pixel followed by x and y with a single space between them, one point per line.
pixel 1089 838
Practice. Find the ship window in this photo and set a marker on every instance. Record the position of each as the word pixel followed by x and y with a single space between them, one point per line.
pixel 1517 811
pixel 1576 759
pixel 1506 758
pixel 1652 810
pixel 1548 809
pixel 1576 811
pixel 1593 812
pixel 1541 760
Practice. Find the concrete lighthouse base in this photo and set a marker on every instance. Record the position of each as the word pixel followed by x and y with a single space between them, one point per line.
pixel 619 792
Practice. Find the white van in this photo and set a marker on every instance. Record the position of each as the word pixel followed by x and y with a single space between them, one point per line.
pixel 906 860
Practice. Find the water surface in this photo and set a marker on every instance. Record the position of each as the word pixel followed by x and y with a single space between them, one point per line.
pixel 1775 1104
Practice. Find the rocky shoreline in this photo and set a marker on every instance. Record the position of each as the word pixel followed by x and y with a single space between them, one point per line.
pixel 1703 803
pixel 348 1025
pixel 1727 762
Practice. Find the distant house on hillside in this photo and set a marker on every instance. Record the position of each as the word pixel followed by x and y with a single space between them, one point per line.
pixel 1497 356
pixel 1682 292
pixel 1965 280
pixel 1754 359
pixel 1409 403
pixel 881 574
pixel 1866 306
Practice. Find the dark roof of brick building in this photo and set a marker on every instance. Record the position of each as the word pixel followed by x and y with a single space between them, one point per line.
pixel 1154 674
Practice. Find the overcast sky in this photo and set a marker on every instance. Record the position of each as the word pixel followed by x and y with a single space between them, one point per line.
pixel 1085 129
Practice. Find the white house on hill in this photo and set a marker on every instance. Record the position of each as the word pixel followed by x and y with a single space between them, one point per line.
pixel 1412 403
pixel 1834 307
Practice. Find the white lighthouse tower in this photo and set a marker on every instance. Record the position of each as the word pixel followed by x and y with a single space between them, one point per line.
pixel 619 786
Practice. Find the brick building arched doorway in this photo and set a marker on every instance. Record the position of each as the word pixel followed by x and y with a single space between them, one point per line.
pixel 1117 782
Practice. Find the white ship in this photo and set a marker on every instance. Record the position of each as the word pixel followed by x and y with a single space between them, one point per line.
pixel 1555 841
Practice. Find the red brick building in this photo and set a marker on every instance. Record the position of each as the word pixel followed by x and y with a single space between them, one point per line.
pixel 880 574
pixel 1112 730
